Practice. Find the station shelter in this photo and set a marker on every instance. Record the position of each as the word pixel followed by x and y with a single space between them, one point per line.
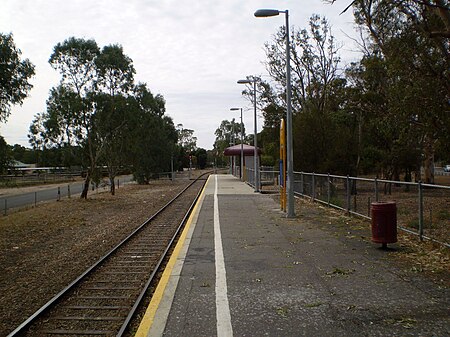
pixel 234 152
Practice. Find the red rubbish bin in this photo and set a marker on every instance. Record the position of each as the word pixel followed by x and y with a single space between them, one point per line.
pixel 384 222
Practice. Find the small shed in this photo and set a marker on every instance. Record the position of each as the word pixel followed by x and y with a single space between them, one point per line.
pixel 235 153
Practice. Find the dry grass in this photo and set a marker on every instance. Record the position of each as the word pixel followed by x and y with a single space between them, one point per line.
pixel 409 253
pixel 42 249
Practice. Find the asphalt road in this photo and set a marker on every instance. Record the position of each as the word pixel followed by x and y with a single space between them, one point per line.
pixel 53 193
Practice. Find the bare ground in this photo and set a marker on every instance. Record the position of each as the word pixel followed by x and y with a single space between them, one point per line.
pixel 427 258
pixel 43 249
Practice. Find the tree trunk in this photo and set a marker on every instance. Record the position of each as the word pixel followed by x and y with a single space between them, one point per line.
pixel 87 181
pixel 113 185
pixel 429 160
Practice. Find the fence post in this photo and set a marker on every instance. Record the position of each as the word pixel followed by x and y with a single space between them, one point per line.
pixel 6 205
pixel 68 191
pixel 59 193
pixel 301 183
pixel 35 199
pixel 329 190
pixel 313 187
pixel 420 211
pixel 348 194
pixel 376 189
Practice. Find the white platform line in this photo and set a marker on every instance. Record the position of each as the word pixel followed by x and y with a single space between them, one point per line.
pixel 224 328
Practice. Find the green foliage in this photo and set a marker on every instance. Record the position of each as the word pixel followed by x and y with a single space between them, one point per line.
pixel 5 155
pixel 269 141
pixel 316 99
pixel 152 136
pixel 406 73
pixel 75 60
pixel 98 115
pixel 186 139
pixel 227 134
pixel 14 76
pixel 387 114
pixel 202 157
pixel 267 161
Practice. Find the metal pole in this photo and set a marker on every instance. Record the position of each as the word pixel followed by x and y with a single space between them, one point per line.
pixel 255 141
pixel 420 211
pixel 328 190
pixel 348 195
pixel 190 166
pixel 290 152
pixel 301 183
pixel 242 148
pixel 233 143
pixel 171 167
pixel 376 189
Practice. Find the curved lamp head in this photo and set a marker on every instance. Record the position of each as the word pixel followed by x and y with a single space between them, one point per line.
pixel 235 109
pixel 244 82
pixel 263 13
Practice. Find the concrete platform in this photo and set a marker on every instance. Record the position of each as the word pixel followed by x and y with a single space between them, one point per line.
pixel 242 269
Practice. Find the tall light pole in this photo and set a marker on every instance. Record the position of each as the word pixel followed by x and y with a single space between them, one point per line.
pixel 255 140
pixel 242 143
pixel 262 13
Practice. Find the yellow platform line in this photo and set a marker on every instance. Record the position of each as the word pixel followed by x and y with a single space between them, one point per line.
pixel 149 316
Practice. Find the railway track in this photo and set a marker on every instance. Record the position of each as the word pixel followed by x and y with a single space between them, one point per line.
pixel 103 300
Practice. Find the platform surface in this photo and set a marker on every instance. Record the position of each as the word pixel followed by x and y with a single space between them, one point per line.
pixel 242 269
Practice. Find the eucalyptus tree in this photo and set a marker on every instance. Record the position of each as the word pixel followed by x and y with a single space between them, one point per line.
pixel 229 131
pixel 114 83
pixel 14 76
pixel 56 128
pixel 314 63
pixel 222 141
pixel 152 135
pixel 314 71
pixel 186 145
pixel 89 107
pixel 5 155
pixel 111 127
pixel 409 8
pixel 417 60
pixel 186 138
pixel 75 59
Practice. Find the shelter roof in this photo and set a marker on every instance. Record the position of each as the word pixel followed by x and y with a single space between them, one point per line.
pixel 236 150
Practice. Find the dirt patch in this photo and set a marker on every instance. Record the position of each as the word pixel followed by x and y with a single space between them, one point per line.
pixel 409 254
pixel 43 249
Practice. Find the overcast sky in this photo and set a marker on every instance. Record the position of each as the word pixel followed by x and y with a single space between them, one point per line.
pixel 190 51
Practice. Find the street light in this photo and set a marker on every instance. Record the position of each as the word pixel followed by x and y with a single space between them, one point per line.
pixel 255 140
pixel 242 143
pixel 262 13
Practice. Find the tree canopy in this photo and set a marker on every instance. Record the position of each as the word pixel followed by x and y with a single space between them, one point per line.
pixel 99 112
pixel 387 113
pixel 15 74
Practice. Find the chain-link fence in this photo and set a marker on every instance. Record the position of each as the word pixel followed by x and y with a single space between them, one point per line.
pixel 8 202
pixel 422 209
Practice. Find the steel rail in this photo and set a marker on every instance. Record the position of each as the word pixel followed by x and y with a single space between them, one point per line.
pixel 158 266
pixel 53 301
